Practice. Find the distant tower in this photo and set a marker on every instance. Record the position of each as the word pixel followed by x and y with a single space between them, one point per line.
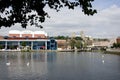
pixel 82 35
pixel 73 35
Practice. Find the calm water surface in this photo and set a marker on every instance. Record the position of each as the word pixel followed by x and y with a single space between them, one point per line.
pixel 59 66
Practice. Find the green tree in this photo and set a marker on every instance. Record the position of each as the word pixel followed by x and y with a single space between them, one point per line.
pixel 62 37
pixel 1 47
pixel 78 44
pixel 116 45
pixel 78 38
pixel 24 44
pixel 72 43
pixel 12 47
pixel 19 10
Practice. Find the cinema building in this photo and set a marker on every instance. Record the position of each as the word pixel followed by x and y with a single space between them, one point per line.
pixel 35 40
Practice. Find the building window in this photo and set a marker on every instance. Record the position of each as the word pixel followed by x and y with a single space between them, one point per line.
pixel 52 41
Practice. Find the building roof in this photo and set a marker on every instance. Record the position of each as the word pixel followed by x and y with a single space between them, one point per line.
pixel 27 32
pixel 40 32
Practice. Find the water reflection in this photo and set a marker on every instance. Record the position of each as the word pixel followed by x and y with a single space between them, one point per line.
pixel 59 66
pixel 103 61
pixel 20 64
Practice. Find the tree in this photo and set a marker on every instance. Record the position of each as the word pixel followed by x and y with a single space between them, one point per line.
pixel 24 44
pixel 72 43
pixel 76 42
pixel 62 37
pixel 18 11
pixel 116 45
pixel 79 44
pixel 1 47
pixel 12 47
pixel 78 38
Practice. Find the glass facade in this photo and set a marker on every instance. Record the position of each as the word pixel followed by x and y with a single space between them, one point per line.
pixel 53 44
pixel 25 43
pixel 2 44
pixel 50 44
pixel 12 44
pixel 38 45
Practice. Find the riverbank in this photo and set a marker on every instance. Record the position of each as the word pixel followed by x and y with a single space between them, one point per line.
pixel 113 51
pixel 65 50
pixel 107 51
pixel 37 50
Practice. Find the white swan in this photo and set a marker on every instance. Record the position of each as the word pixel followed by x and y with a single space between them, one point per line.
pixel 103 61
pixel 8 63
pixel 28 63
pixel 102 55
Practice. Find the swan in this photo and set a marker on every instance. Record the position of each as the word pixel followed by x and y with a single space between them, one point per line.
pixel 102 55
pixel 8 63
pixel 102 61
pixel 28 63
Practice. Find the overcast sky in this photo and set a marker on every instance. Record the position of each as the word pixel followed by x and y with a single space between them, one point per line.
pixel 104 24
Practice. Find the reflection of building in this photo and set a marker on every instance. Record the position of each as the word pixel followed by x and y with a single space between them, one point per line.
pixel 34 40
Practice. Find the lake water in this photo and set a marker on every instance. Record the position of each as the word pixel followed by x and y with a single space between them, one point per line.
pixel 59 66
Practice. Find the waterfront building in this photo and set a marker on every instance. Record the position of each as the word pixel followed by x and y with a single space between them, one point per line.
pixel 104 43
pixel 101 43
pixel 34 40
pixel 63 44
